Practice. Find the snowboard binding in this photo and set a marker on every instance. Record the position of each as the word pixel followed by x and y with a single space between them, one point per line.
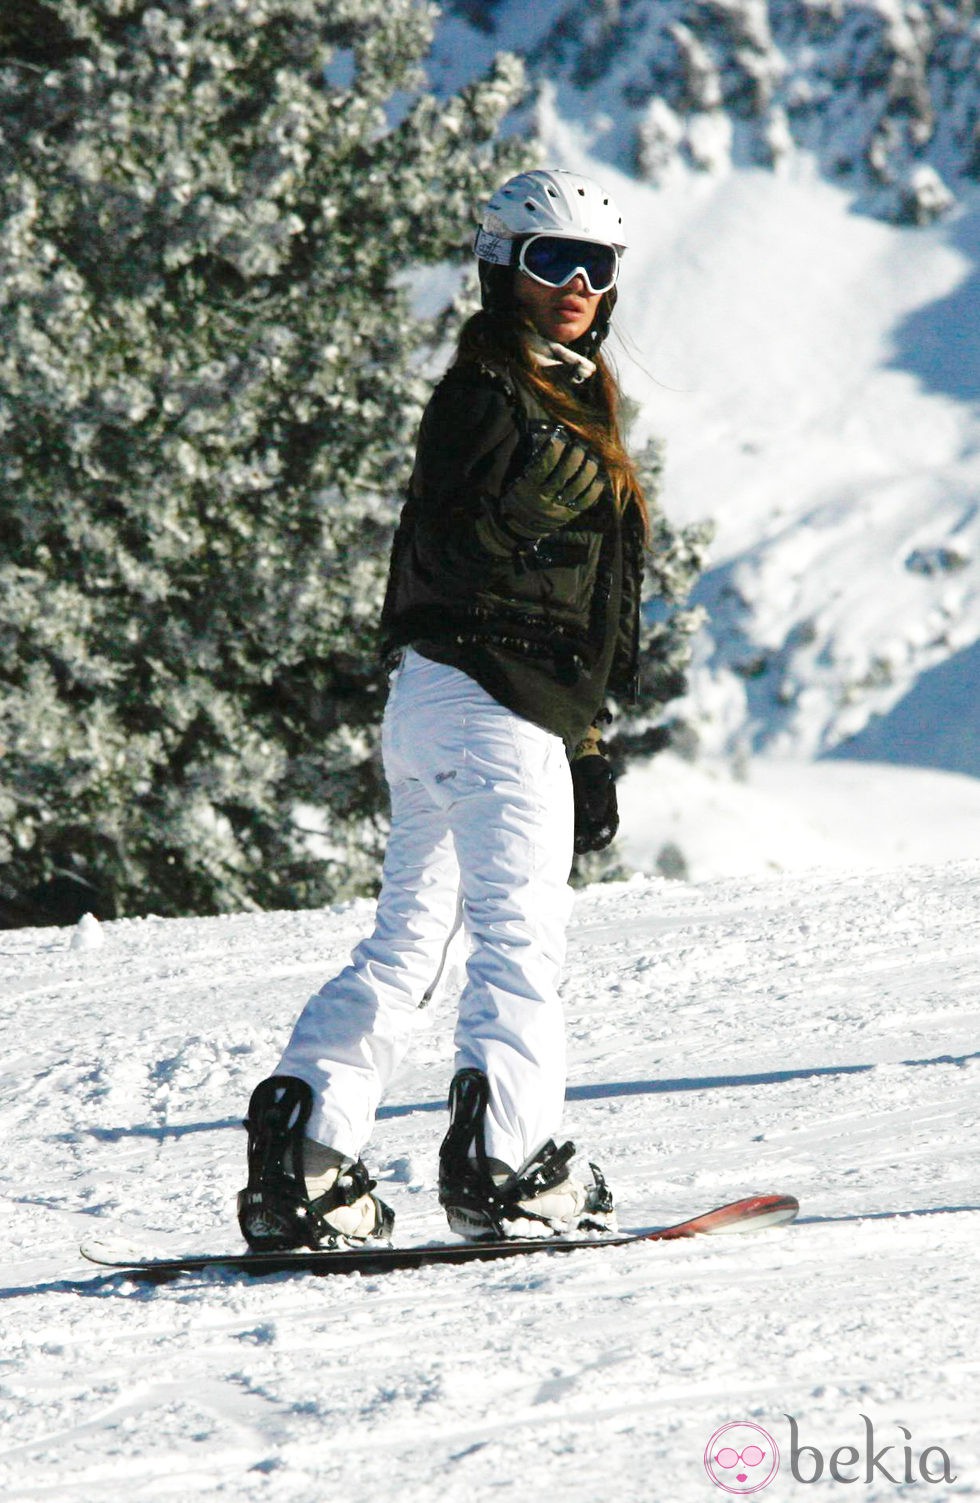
pixel 483 1199
pixel 275 1210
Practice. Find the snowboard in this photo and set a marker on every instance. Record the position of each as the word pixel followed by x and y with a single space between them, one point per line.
pixel 752 1214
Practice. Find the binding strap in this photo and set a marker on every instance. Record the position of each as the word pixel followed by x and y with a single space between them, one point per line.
pixel 465 1177
pixel 275 1210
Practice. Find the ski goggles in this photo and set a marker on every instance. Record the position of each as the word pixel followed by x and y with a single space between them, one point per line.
pixel 554 261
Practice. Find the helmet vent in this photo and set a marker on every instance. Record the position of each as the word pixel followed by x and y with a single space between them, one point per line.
pixel 543 202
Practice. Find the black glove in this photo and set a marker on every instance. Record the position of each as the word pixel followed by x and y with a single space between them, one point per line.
pixel 596 808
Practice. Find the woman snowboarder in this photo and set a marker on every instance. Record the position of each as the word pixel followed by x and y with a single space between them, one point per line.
pixel 511 613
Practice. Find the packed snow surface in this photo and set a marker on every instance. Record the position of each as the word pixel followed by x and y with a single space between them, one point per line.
pixel 809 1033
pixel 697 820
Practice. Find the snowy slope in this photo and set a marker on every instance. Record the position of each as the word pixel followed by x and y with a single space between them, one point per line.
pixel 698 821
pixel 811 367
pixel 806 1033
pixel 769 342
pixel 764 324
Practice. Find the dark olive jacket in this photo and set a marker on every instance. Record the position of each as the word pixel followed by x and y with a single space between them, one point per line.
pixel 548 624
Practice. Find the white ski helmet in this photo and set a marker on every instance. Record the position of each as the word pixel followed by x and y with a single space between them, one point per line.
pixel 547 202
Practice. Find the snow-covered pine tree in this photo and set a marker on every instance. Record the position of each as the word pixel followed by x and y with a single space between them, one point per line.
pixel 209 378
pixel 675 561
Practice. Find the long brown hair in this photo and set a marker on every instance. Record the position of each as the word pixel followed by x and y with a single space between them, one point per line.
pixel 504 340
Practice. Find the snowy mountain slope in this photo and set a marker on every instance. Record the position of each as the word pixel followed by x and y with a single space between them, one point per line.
pixel 811 1034
pixel 883 94
pixel 764 323
pixel 811 367
pixel 847 561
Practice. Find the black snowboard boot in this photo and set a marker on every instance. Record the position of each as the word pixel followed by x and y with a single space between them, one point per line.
pixel 300 1193
pixel 485 1199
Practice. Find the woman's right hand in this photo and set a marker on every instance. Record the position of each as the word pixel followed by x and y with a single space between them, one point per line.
pixel 560 480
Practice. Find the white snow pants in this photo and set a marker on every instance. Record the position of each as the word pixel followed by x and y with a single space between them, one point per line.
pixel 481 815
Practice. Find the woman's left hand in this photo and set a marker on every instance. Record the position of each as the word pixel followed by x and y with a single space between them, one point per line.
pixel 596 805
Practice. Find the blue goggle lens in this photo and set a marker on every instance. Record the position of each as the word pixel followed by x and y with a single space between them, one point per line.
pixel 554 261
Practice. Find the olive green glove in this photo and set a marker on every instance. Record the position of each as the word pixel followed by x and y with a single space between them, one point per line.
pixel 560 480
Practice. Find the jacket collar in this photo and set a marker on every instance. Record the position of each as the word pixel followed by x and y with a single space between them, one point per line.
pixel 546 352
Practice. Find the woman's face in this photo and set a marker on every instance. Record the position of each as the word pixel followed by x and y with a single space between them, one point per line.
pixel 559 313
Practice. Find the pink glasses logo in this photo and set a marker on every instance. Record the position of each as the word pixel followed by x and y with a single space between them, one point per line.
pixel 741 1457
